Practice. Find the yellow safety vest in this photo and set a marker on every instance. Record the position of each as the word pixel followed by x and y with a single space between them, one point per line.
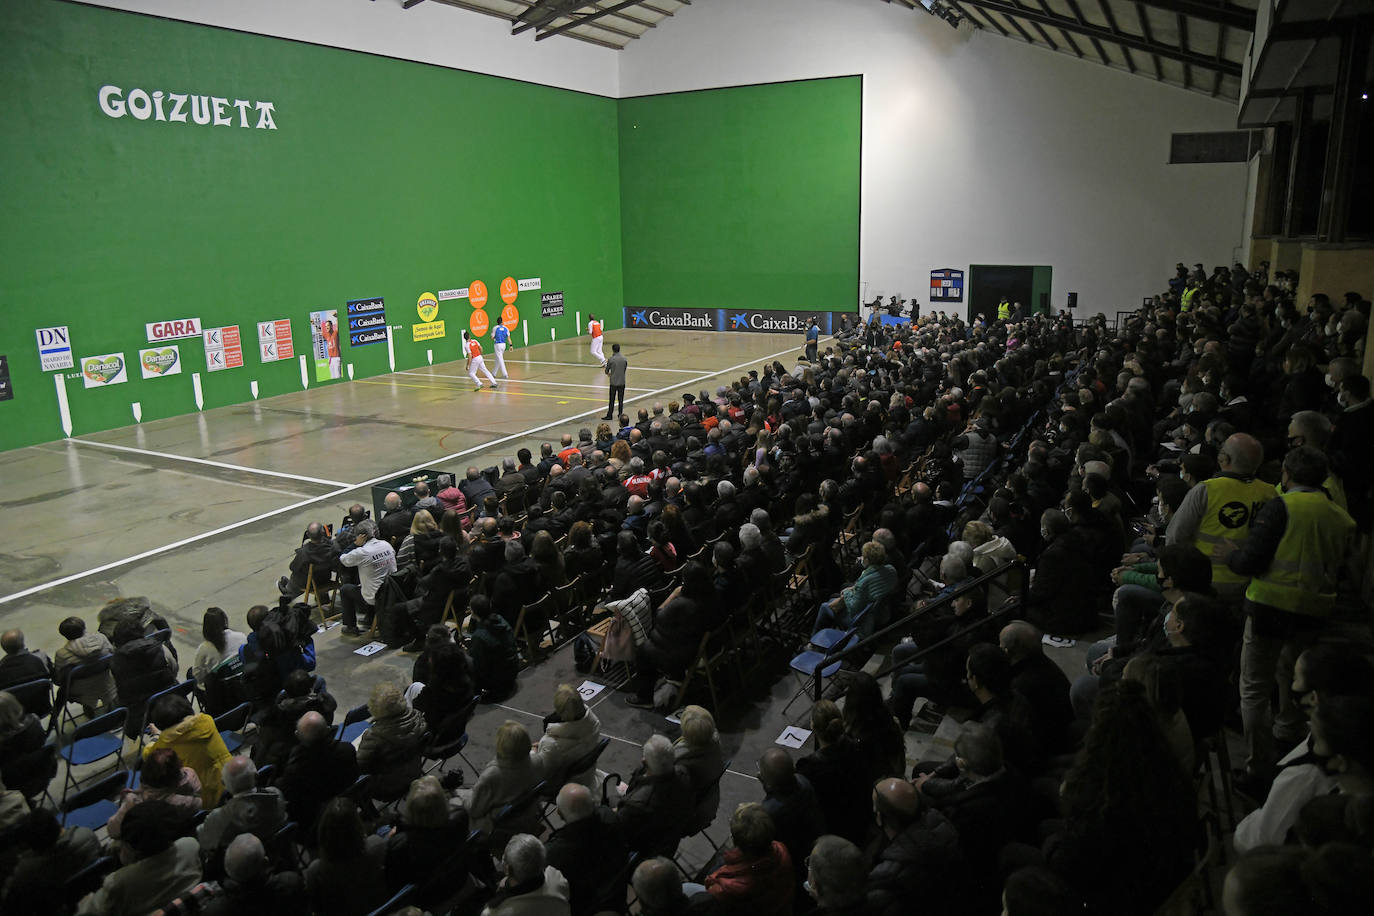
pixel 1333 487
pixel 1003 311
pixel 1232 504
pixel 1301 578
pixel 1188 296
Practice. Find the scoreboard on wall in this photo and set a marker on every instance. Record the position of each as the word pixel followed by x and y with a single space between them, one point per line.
pixel 946 285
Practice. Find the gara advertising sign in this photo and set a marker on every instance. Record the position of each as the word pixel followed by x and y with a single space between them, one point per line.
pixel 366 321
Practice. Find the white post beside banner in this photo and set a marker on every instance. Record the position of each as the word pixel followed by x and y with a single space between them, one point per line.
pixel 525 329
pixel 63 408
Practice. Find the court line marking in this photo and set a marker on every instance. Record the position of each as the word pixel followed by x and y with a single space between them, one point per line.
pixel 263 516
pixel 562 398
pixel 517 381
pixel 201 478
pixel 543 362
pixel 206 461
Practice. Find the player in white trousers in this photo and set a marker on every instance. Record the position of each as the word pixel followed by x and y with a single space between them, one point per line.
pixel 475 362
pixel 500 338
pixel 594 328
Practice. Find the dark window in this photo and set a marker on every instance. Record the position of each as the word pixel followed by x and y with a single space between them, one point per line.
pixel 1215 146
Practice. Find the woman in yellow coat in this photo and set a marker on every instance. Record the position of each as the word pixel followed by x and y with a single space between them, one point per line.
pixel 174 724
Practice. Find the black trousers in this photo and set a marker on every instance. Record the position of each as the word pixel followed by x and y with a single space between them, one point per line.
pixel 617 392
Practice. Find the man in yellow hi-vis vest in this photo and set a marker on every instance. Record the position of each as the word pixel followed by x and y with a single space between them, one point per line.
pixel 1294 553
pixel 1003 309
pixel 1222 509
pixel 1189 297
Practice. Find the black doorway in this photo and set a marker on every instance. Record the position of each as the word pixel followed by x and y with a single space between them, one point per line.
pixel 989 283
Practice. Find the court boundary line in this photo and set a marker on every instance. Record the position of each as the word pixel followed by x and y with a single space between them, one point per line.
pixel 517 381
pixel 206 461
pixel 544 362
pixel 263 516
pixel 43 447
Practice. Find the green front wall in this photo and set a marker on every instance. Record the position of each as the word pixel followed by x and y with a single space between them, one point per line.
pixel 383 178
pixel 743 198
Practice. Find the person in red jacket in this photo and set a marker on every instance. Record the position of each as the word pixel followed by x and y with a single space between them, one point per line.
pixel 757 874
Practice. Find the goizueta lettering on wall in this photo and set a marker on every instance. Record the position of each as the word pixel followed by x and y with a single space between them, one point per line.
pixel 185 107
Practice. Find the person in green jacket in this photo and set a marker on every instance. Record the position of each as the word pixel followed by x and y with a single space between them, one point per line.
pixel 495 659
pixel 875 583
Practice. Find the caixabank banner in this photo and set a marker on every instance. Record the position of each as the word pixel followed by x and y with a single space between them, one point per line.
pixel 761 321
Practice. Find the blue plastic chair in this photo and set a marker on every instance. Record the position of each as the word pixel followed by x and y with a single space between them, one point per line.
pixel 93 741
pixel 93 805
pixel 827 639
pixel 355 722
pixel 230 726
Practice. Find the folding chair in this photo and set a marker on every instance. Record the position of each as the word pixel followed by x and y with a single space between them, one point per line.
pixel 829 637
pixel 231 725
pixel 545 607
pixel 35 695
pixel 320 592
pixel 87 880
pixel 61 714
pixel 503 822
pixel 440 753
pixel 571 611
pixel 711 653
pixel 355 722
pixel 587 761
pixel 93 805
pixel 93 741
pixel 804 664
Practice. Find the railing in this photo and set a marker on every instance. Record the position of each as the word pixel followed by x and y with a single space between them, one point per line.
pixel 843 652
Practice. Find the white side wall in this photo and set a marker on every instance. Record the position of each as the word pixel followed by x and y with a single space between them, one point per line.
pixel 977 149
pixel 430 33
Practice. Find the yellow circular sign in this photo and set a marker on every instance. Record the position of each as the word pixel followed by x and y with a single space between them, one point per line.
pixel 428 306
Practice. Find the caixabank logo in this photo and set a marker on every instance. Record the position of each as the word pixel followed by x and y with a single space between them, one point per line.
pixel 759 321
pixel 775 322
pixel 677 319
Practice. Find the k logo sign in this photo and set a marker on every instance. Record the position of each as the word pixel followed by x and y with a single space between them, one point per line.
pixel 739 322
pixel 638 318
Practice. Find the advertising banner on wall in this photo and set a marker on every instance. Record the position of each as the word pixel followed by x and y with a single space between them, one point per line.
pixel 172 330
pixel 687 319
pixel 102 370
pixel 428 329
pixel 366 321
pixel 159 361
pixel 761 321
pixel 551 304
pixel 274 340
pixel 223 349
pixel 54 348
pixel 324 344
pixel 6 387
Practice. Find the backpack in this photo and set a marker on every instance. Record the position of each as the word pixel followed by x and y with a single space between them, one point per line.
pixel 584 652
pixel 285 628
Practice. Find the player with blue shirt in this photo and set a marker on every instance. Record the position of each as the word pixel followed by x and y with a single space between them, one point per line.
pixel 500 337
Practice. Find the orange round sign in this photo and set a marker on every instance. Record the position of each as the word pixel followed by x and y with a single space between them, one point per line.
pixel 478 323
pixel 510 317
pixel 509 290
pixel 477 294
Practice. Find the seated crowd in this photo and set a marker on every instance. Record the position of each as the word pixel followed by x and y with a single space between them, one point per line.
pixel 1190 487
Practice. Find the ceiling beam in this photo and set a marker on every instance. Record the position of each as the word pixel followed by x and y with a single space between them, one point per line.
pixel 555 9
pixel 1236 17
pixel 1145 30
pixel 585 20
pixel 1091 31
pixel 1117 34
pixel 409 3
pixel 981 20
